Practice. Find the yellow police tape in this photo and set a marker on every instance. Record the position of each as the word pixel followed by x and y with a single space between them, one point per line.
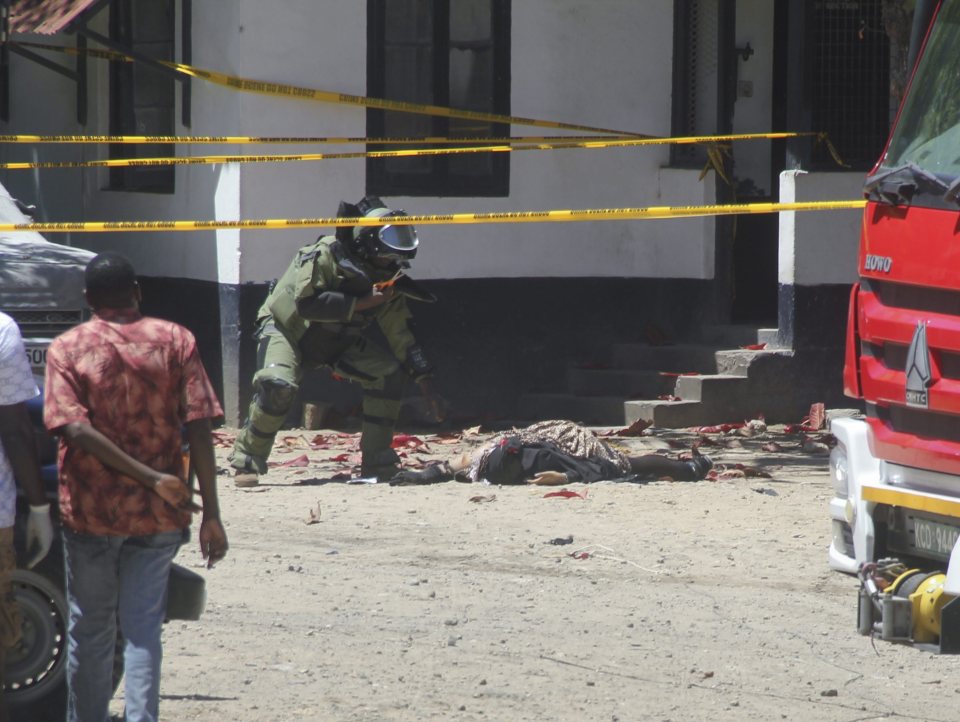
pixel 326 96
pixel 396 140
pixel 286 158
pixel 560 216
pixel 714 158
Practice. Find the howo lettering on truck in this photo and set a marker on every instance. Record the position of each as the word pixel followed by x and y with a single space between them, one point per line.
pixel 896 473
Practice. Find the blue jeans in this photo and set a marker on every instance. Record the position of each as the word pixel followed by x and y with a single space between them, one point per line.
pixel 111 578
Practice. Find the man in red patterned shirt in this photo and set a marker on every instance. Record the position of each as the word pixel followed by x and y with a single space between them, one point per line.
pixel 119 389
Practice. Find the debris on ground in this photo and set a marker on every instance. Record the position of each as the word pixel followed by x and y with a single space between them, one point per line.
pixel 566 494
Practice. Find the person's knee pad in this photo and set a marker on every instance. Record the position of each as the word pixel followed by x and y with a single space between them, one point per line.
pixel 275 396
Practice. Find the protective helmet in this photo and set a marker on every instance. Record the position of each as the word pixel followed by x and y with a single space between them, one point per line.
pixel 389 242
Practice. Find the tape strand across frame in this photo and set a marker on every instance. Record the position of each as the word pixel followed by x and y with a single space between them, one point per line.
pixel 553 216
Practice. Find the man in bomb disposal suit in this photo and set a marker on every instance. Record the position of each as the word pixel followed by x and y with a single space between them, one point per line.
pixel 320 313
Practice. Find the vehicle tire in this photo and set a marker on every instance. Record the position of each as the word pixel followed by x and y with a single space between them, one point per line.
pixel 35 672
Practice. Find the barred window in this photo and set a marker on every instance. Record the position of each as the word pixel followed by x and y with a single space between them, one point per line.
pixel 452 53
pixel 849 55
pixel 142 98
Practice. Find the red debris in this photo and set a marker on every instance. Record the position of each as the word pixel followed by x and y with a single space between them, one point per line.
pixel 754 347
pixel 635 429
pixel 816 419
pixel 222 439
pixel 407 441
pixel 301 460
pixel 565 494
pixel 580 555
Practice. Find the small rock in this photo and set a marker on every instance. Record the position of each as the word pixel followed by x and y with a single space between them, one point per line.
pixel 828 693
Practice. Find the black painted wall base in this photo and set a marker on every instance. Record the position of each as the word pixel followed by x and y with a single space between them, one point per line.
pixel 492 340
pixel 812 316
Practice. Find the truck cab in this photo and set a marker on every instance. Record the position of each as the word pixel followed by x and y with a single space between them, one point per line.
pixel 896 473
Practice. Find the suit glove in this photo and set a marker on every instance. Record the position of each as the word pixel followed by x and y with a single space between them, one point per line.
pixel 39 533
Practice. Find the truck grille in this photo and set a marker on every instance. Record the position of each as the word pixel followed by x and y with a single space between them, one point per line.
pixel 916 422
pixel 914 298
pixel 45 322
pixel 894 356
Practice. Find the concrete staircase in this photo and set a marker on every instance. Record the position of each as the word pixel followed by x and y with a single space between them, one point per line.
pixel 713 380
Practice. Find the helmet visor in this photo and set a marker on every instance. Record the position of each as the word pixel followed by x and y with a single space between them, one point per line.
pixel 399 238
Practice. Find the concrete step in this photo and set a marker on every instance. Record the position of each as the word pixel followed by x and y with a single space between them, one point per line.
pixel 666 414
pixel 768 336
pixel 771 389
pixel 682 414
pixel 712 389
pixel 589 410
pixel 736 362
pixel 681 358
pixel 731 335
pixel 704 399
pixel 625 383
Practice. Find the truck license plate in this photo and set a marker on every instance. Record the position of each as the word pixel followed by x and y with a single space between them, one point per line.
pixel 931 536
pixel 37 356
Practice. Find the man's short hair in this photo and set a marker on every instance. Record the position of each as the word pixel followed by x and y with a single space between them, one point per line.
pixel 110 281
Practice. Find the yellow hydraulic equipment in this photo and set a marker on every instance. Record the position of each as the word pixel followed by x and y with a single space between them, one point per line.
pixel 908 606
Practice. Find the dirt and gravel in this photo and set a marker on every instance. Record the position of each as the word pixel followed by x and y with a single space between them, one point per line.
pixel 457 601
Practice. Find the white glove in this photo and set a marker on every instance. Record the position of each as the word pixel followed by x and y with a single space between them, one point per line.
pixel 39 531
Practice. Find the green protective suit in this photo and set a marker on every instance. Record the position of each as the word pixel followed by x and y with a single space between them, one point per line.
pixel 310 320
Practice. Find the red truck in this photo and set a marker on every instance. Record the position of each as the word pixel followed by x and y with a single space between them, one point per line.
pixel 896 473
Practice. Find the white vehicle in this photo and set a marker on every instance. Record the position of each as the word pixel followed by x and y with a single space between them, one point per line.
pixel 41 283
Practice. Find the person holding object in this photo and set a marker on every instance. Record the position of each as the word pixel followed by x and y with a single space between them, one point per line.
pixel 19 465
pixel 119 390
pixel 322 312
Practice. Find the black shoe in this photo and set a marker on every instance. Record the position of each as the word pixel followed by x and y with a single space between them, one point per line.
pixel 434 474
pixel 700 464
pixel 383 465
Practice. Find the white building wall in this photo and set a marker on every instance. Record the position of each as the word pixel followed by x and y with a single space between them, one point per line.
pixel 819 247
pixel 607 64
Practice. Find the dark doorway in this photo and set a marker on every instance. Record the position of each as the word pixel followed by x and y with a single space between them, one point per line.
pixel 755 251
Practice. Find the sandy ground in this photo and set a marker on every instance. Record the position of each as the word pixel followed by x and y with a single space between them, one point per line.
pixel 673 601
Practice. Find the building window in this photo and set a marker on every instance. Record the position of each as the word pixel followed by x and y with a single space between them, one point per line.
pixel 696 28
pixel 142 97
pixel 850 81
pixel 453 53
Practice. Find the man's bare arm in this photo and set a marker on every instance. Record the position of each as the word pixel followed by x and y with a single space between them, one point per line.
pixel 16 433
pixel 213 538
pixel 19 444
